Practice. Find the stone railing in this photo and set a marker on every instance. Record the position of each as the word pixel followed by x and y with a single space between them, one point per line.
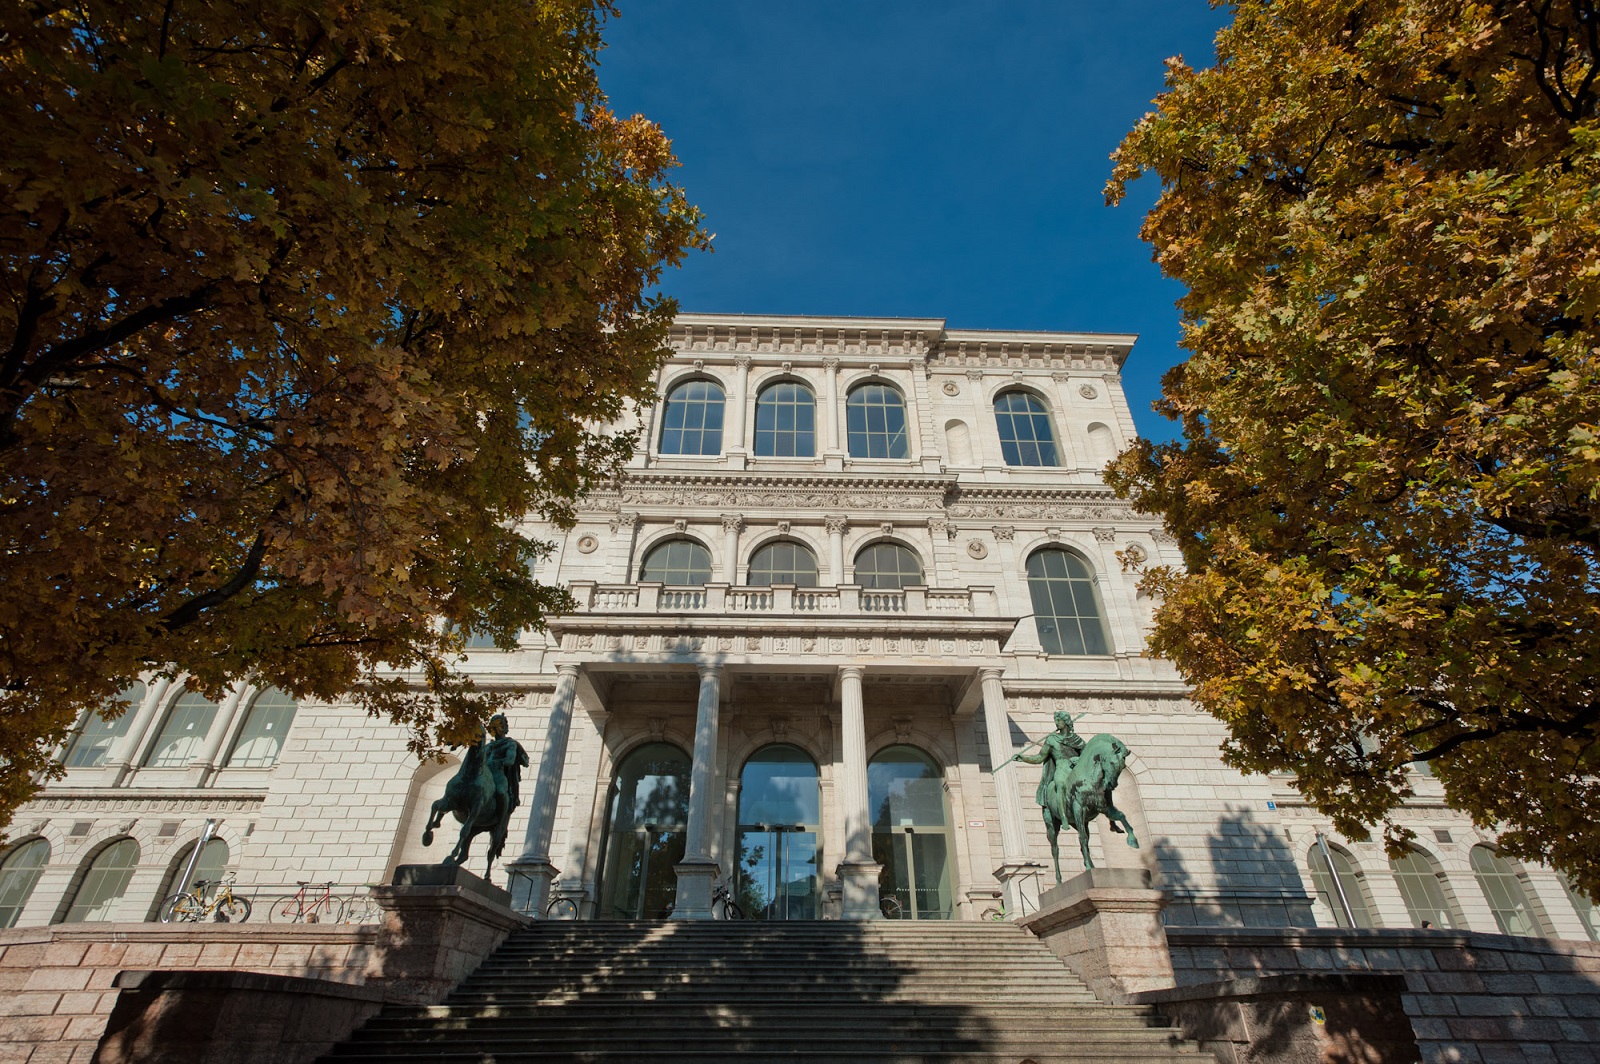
pixel 782 600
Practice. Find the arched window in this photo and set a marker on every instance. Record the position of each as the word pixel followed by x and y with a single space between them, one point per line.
pixel 786 421
pixel 261 738
pixel 1581 902
pixel 1422 889
pixel 911 831
pixel 184 733
pixel 1351 881
pixel 780 823
pixel 691 421
pixel 104 883
pixel 212 863
pixel 875 422
pixel 645 833
pixel 1065 605
pixel 887 566
pixel 1026 438
pixel 91 746
pixel 678 562
pixel 19 874
pixel 1507 898
pixel 783 562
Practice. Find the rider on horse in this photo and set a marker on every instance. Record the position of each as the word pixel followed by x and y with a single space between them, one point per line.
pixel 1060 748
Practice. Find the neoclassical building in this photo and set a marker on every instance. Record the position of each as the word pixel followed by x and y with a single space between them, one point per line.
pixel 855 566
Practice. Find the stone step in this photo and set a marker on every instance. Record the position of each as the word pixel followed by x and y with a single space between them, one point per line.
pixel 724 1012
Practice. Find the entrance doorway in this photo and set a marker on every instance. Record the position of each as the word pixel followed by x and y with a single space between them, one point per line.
pixel 644 835
pixel 911 831
pixel 778 846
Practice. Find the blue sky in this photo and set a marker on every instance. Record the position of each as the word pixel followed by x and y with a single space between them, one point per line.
pixel 915 159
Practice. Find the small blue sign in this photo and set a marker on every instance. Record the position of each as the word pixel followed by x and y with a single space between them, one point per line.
pixel 1271 804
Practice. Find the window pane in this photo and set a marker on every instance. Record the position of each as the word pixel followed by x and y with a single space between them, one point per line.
pixel 104 883
pixel 887 566
pixel 691 422
pixel 92 745
pixel 785 422
pixel 875 422
pixel 1026 438
pixel 184 733
pixel 261 738
pixel 1585 907
pixel 212 864
pixel 1355 891
pixel 1065 606
pixel 783 563
pixel 1503 887
pixel 678 561
pixel 18 876
pixel 1422 889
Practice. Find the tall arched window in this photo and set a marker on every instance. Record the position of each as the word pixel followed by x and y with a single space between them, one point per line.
pixel 1351 881
pixel 104 883
pixel 1026 438
pixel 691 420
pixel 1503 888
pixel 783 562
pixel 1065 604
pixel 678 562
pixel 645 833
pixel 261 738
pixel 780 824
pixel 91 746
pixel 911 831
pixel 875 422
pixel 887 566
pixel 1421 886
pixel 19 874
pixel 786 421
pixel 212 863
pixel 1585 908
pixel 184 733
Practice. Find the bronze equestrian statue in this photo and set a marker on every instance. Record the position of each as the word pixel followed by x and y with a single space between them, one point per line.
pixel 482 793
pixel 1077 783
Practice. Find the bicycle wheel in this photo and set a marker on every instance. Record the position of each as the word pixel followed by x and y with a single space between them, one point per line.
pixel 562 909
pixel 235 910
pixel 325 910
pixel 181 908
pixel 731 910
pixel 361 909
pixel 286 910
pixel 889 905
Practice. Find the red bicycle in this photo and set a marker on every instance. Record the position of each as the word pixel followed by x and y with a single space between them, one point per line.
pixel 313 903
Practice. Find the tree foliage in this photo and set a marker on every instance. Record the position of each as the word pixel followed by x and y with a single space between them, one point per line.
pixel 308 307
pixel 1386 214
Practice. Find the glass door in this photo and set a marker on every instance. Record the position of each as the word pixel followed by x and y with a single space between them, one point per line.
pixel 645 833
pixel 778 845
pixel 910 832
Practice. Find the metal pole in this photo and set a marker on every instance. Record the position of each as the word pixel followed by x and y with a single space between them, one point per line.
pixel 1338 887
pixel 194 855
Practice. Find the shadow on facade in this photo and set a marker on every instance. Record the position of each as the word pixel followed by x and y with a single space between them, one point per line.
pixel 1253 880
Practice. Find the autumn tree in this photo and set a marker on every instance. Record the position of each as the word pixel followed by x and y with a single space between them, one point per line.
pixel 1386 215
pixel 309 310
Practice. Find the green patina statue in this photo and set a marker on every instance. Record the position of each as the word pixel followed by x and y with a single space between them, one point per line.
pixel 1076 784
pixel 482 793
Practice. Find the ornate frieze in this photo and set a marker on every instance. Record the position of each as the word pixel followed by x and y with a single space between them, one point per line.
pixel 148 803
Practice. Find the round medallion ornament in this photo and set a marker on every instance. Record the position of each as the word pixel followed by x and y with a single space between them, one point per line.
pixel 1088 391
pixel 1135 553
pixel 977 549
pixel 587 544
pixel 952 388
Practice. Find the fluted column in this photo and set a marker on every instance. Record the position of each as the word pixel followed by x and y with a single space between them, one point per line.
pixel 697 870
pixel 531 888
pixel 858 872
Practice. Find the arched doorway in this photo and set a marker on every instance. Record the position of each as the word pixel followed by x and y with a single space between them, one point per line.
pixel 644 834
pixel 911 831
pixel 779 842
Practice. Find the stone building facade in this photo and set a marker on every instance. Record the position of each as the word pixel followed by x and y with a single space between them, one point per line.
pixel 855 566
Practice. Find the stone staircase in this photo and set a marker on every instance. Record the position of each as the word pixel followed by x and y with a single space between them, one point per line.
pixel 820 992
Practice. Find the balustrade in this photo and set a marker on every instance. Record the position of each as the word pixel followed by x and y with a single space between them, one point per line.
pixel 782 600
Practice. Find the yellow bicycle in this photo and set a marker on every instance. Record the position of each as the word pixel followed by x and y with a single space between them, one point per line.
pixel 222 905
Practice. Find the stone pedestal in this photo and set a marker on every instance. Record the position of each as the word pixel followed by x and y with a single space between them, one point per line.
pixel 1105 923
pixel 693 900
pixel 858 890
pixel 439 924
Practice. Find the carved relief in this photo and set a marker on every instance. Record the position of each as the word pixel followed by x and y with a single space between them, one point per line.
pixel 1105 535
pixel 1004 533
pixel 732 522
pixel 835 525
pixel 587 544
pixel 977 549
pixel 951 388
pixel 1088 391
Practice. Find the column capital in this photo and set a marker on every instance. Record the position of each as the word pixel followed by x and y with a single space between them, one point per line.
pixel 990 672
pixel 851 672
pixel 709 671
pixel 568 669
pixel 835 524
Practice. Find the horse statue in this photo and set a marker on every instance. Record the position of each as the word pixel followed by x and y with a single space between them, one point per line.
pixel 482 794
pixel 1080 790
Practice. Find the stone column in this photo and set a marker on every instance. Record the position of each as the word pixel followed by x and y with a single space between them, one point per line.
pixel 858 872
pixel 698 869
pixel 836 526
pixel 1013 841
pixel 741 403
pixel 119 759
pixel 731 526
pixel 530 888
pixel 228 718
pixel 830 373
